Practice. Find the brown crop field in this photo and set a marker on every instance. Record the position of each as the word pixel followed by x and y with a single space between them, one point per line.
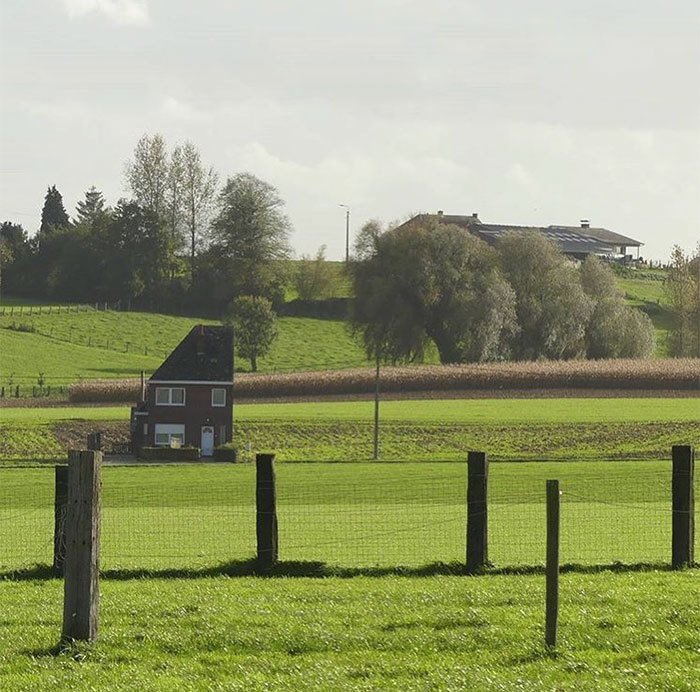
pixel 668 375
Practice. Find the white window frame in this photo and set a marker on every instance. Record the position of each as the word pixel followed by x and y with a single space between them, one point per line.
pixel 168 431
pixel 218 389
pixel 169 397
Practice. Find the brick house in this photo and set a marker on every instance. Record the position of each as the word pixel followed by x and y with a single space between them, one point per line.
pixel 188 400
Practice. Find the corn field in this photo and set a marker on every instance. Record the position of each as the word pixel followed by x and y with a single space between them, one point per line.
pixel 634 375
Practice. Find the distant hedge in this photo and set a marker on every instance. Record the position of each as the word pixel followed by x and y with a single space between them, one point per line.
pixel 170 453
pixel 328 309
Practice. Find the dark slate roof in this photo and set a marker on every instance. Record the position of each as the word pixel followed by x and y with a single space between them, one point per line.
pixel 204 355
pixel 570 239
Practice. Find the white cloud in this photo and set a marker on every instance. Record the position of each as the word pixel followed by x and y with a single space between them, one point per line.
pixel 178 109
pixel 118 11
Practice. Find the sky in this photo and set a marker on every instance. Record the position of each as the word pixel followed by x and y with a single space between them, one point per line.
pixel 529 113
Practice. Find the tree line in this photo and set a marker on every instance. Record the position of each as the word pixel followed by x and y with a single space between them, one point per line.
pixel 427 282
pixel 180 241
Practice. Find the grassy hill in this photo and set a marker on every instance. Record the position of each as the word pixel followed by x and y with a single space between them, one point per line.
pixel 66 347
pixel 644 289
pixel 69 345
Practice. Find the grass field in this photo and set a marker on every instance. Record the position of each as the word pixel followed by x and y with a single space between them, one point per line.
pixel 69 346
pixel 349 516
pixel 615 428
pixel 646 291
pixel 617 631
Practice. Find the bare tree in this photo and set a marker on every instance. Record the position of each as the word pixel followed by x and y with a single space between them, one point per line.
pixel 198 192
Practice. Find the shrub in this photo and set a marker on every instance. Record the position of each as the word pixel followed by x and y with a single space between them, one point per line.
pixel 170 453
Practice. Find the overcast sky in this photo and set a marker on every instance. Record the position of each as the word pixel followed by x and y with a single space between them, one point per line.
pixel 537 112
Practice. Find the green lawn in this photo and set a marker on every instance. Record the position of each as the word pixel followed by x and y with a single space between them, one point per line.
pixel 617 632
pixel 472 411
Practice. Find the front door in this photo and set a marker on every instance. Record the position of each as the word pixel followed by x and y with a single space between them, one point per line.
pixel 207 445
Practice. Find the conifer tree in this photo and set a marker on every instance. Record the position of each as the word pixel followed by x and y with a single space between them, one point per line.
pixel 89 209
pixel 53 215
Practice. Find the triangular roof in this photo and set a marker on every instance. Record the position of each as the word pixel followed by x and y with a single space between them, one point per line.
pixel 204 355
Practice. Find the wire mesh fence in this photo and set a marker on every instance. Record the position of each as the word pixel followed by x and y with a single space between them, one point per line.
pixel 410 514
pixel 619 514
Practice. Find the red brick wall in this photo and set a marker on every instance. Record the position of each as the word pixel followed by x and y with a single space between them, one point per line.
pixel 196 412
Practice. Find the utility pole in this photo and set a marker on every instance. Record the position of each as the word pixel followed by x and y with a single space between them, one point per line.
pixel 376 411
pixel 347 232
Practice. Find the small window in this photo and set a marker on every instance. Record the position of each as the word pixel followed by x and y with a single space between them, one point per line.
pixel 222 435
pixel 145 429
pixel 169 434
pixel 218 397
pixel 170 396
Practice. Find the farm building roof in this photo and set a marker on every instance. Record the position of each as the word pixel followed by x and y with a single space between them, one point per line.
pixel 570 239
pixel 204 355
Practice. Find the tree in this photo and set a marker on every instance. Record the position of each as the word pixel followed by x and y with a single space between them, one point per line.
pixel 53 214
pixel 251 231
pixel 254 328
pixel 552 309
pixel 682 288
pixel 615 330
pixel 173 197
pixel 198 193
pixel 314 279
pixel 91 208
pixel 429 281
pixel 148 172
pixel 16 254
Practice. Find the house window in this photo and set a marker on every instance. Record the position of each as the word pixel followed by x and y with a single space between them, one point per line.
pixel 222 434
pixel 218 397
pixel 166 434
pixel 145 429
pixel 170 396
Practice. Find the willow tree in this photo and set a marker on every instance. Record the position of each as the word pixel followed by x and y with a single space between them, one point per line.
pixel 430 282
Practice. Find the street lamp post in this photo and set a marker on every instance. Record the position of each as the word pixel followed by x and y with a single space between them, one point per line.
pixel 347 231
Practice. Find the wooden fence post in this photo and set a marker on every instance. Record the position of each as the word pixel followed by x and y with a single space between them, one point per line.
pixel 60 506
pixel 81 585
pixel 552 597
pixel 477 511
pixel 683 500
pixel 266 500
pixel 94 441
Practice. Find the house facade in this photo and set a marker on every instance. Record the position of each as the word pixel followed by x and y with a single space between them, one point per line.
pixel 188 401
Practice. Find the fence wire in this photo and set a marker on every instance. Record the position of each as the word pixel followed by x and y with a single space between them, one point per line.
pixel 350 515
pixel 620 515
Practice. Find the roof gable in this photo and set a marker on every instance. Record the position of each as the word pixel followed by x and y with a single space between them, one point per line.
pixel 204 355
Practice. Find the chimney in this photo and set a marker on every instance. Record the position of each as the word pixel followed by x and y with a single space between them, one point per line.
pixel 475 215
pixel 439 212
pixel 585 223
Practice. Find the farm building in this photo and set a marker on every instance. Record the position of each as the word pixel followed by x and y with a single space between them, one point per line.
pixel 575 241
pixel 188 400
